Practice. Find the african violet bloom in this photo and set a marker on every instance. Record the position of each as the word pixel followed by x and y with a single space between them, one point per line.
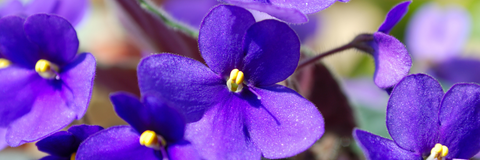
pixel 64 144
pixel 293 11
pixel 235 109
pixel 392 61
pixel 73 11
pixel 439 46
pixel 425 122
pixel 156 132
pixel 44 84
pixel 437 34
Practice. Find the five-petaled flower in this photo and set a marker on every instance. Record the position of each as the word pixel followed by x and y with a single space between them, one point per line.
pixel 425 122
pixel 234 106
pixel 156 132
pixel 64 144
pixel 44 85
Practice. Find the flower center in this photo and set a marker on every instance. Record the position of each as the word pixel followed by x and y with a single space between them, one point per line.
pixel 439 152
pixel 46 69
pixel 72 157
pixel 152 140
pixel 4 63
pixel 235 82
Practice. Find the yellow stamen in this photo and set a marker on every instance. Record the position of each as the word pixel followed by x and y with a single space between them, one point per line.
pixel 46 69
pixel 4 63
pixel 151 139
pixel 72 157
pixel 438 152
pixel 235 81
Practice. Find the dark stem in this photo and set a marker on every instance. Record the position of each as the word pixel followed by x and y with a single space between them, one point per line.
pixel 312 60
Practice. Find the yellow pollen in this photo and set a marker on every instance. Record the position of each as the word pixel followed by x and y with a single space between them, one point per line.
pixel 4 63
pixel 438 152
pixel 151 139
pixel 46 69
pixel 72 157
pixel 235 80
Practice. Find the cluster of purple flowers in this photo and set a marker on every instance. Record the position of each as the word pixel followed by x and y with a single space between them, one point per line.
pixel 232 106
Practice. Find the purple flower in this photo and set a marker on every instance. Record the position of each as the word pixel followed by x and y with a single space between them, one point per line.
pixel 456 70
pixel 234 106
pixel 436 35
pixel 288 11
pixel 425 122
pixel 44 85
pixel 73 11
pixel 64 144
pixel 392 61
pixel 156 132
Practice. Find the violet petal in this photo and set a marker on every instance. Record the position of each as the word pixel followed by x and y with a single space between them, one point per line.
pixel 41 6
pixel 73 11
pixel 394 16
pixel 20 88
pixel 118 142
pixel 221 38
pixel 131 110
pixel 392 61
pixel 82 132
pixel 182 151
pixel 412 113
pixel 57 103
pixel 15 46
pixel 456 70
pixel 289 15
pixel 460 121
pixel 189 11
pixel 10 7
pixel 379 148
pixel 304 6
pixel 436 34
pixel 189 83
pixel 222 132
pixel 55 37
pixel 167 121
pixel 285 124
pixel 62 144
pixel 308 30
pixel 54 158
pixel 272 52
pixel 78 79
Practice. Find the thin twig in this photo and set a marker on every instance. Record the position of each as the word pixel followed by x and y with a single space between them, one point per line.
pixel 312 60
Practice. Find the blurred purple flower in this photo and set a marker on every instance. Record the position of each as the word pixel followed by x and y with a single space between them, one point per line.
pixel 45 84
pixel 73 11
pixel 423 121
pixel 190 12
pixel 392 61
pixel 156 131
pixel 64 144
pixel 235 108
pixel 288 11
pixel 193 11
pixel 436 35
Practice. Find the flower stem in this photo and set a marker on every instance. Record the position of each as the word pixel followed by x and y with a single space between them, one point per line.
pixel 312 60
pixel 167 19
